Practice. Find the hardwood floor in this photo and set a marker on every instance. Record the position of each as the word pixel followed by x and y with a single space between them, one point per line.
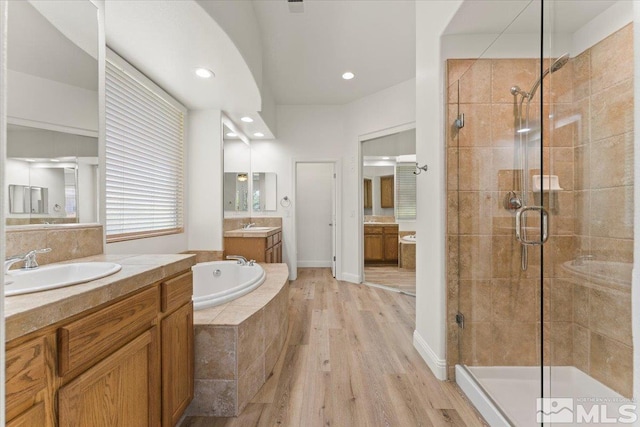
pixel 349 361
pixel 391 276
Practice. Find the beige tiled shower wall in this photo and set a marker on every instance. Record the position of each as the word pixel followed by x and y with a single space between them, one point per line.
pixel 589 145
pixel 603 156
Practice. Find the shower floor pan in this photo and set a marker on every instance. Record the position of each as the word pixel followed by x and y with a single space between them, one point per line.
pixel 507 396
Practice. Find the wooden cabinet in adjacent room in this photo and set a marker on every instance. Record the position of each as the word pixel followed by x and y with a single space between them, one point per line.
pixel 387 191
pixel 368 194
pixel 381 243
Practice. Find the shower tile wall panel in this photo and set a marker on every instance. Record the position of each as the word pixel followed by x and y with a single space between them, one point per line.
pixel 589 145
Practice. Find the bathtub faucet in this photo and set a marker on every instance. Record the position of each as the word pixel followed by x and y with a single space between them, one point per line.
pixel 241 260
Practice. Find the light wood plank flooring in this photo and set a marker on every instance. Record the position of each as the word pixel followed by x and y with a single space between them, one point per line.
pixel 391 276
pixel 349 361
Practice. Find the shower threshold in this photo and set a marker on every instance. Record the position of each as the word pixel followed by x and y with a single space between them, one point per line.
pixel 507 396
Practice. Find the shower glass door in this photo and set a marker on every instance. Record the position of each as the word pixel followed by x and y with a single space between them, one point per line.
pixel 540 213
pixel 588 146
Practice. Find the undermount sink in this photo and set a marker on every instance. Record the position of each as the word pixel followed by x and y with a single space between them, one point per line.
pixel 56 276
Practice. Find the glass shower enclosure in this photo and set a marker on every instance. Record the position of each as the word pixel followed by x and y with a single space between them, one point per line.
pixel 540 148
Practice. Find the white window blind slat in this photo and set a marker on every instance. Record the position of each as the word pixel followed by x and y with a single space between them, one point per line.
pixel 144 159
pixel 405 191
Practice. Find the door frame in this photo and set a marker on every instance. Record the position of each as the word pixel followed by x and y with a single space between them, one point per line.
pixel 360 176
pixel 337 206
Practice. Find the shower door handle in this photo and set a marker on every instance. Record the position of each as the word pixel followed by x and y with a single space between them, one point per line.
pixel 544 230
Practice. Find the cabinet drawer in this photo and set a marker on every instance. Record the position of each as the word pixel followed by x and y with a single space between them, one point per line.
pixel 90 339
pixel 269 241
pixel 176 292
pixel 25 376
pixel 373 229
pixel 277 238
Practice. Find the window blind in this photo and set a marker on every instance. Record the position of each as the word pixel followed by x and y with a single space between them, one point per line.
pixel 405 191
pixel 144 159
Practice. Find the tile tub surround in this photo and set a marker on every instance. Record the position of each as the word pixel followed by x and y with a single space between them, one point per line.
pixel 237 345
pixel 593 158
pixel 406 251
pixel 30 312
pixel 66 241
pixel 206 256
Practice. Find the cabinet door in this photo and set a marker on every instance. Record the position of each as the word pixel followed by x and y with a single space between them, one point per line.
pixel 268 255
pixel 391 247
pixel 373 248
pixel 177 364
pixel 36 416
pixel 368 204
pixel 387 191
pixel 122 390
pixel 278 255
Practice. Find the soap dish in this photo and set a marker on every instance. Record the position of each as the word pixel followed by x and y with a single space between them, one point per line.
pixel 545 182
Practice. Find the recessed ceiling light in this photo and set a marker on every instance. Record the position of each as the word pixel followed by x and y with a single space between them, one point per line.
pixel 258 134
pixel 247 119
pixel 231 134
pixel 55 160
pixel 30 160
pixel 348 75
pixel 386 158
pixel 204 73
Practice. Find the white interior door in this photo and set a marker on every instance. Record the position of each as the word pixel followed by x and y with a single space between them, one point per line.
pixel 333 222
pixel 315 211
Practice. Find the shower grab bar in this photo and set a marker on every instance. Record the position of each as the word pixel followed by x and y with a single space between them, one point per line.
pixel 521 236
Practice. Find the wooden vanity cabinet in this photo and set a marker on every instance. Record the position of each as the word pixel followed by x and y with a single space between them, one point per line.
pixel 381 243
pixel 177 347
pixel 262 249
pixel 29 372
pixel 129 362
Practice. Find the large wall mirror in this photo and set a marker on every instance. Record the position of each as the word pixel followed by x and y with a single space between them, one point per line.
pixel 264 191
pixel 52 112
pixel 237 166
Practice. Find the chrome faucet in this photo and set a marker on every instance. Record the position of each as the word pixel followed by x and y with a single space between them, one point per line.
pixel 29 259
pixel 582 258
pixel 241 260
pixel 249 225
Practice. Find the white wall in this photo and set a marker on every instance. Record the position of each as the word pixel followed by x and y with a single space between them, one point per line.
pixel 429 336
pixel 314 212
pixel 51 105
pixel 205 180
pixel 304 133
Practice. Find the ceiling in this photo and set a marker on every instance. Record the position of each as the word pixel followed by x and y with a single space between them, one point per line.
pixel 523 16
pixel 305 54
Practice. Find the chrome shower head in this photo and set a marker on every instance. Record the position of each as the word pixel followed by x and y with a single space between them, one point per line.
pixel 557 64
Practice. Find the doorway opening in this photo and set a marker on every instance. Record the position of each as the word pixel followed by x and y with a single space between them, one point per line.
pixel 389 210
pixel 316 219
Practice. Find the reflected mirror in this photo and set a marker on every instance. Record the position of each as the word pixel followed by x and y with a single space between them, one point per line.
pixel 52 112
pixel 264 191
pixel 237 163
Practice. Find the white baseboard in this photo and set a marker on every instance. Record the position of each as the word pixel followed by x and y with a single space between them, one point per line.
pixel 438 366
pixel 351 278
pixel 313 264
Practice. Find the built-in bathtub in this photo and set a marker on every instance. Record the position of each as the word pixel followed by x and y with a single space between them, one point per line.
pixel 238 342
pixel 218 282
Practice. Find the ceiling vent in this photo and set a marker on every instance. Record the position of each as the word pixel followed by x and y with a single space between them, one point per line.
pixel 296 6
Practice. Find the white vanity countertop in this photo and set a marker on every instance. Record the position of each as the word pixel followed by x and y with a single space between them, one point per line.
pixel 30 312
pixel 247 232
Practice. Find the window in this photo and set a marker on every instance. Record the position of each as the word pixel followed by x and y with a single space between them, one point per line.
pixel 405 191
pixel 144 159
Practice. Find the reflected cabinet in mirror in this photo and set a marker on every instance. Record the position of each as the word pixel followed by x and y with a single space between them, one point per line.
pixel 52 112
pixel 264 191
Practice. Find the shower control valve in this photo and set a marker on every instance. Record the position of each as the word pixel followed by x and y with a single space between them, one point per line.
pixel 512 202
